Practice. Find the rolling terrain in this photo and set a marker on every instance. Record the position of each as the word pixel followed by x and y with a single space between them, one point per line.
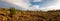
pixel 11 14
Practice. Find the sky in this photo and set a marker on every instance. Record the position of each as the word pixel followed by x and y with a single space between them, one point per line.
pixel 33 5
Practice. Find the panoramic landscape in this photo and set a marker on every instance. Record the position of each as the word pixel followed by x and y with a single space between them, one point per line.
pixel 12 14
pixel 29 10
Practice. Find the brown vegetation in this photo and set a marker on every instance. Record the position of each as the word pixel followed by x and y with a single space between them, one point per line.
pixel 18 15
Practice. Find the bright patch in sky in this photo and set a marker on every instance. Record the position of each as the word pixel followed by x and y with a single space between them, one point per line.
pixel 33 5
pixel 37 0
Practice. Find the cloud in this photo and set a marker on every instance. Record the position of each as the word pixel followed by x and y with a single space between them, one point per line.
pixel 37 0
pixel 25 4
pixel 34 8
pixel 56 6
pixel 18 3
pixel 52 6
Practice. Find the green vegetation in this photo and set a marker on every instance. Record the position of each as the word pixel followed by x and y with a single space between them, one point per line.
pixel 12 11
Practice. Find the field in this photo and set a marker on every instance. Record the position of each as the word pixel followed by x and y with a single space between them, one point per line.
pixel 17 15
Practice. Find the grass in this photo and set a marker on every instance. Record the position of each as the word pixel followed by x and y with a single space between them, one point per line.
pixel 18 15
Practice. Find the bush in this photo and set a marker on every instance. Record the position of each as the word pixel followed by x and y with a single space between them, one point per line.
pixel 12 11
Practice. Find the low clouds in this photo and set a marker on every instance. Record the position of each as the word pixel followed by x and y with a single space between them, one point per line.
pixel 45 5
pixel 55 6
pixel 18 3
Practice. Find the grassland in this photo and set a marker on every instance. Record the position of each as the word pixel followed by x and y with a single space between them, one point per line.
pixel 12 14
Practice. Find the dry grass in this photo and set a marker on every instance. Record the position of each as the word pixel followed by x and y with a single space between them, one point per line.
pixel 30 15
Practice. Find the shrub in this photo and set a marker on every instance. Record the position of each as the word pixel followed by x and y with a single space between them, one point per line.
pixel 12 11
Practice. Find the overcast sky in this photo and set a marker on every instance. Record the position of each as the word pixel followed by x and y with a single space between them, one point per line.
pixel 32 4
